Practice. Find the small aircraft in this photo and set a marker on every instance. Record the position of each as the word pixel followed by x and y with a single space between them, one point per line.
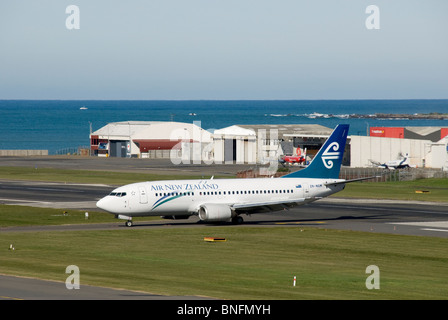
pixel 299 158
pixel 401 163
pixel 221 200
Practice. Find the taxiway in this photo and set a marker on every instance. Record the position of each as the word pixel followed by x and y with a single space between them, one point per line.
pixel 406 217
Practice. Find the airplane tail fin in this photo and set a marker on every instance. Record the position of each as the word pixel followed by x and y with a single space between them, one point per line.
pixel 327 162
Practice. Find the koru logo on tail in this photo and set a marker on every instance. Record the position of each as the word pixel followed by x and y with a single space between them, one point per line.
pixel 330 154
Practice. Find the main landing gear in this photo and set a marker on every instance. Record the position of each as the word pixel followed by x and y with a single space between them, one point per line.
pixel 237 220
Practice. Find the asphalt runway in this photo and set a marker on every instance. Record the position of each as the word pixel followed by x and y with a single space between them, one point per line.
pixel 52 194
pixel 20 288
pixel 406 218
pixel 410 218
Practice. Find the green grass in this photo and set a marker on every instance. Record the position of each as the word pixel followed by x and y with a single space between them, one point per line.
pixel 403 190
pixel 84 176
pixel 14 216
pixel 254 263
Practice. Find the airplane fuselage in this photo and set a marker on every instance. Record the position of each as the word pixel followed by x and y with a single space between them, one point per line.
pixel 185 197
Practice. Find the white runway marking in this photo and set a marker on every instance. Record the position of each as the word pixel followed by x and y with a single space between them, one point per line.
pixel 56 205
pixel 429 224
pixel 430 229
pixel 440 226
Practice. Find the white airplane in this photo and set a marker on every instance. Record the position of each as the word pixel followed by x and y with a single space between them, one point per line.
pixel 401 163
pixel 222 200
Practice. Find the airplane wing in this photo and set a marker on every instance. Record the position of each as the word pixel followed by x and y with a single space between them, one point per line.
pixel 348 181
pixel 376 163
pixel 267 206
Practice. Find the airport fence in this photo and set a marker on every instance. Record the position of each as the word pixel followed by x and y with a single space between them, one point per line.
pixel 385 175
pixel 347 173
pixel 81 151
pixel 23 153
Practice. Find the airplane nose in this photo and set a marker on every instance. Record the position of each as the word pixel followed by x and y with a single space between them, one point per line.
pixel 102 204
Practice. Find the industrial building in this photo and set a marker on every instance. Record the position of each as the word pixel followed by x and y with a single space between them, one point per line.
pixel 147 139
pixel 433 134
pixel 258 144
pixel 261 143
pixel 424 146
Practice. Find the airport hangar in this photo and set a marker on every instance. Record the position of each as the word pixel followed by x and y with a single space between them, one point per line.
pixel 258 144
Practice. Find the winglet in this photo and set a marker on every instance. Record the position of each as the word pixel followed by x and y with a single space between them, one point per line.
pixel 327 162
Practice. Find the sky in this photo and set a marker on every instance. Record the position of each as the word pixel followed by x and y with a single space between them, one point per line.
pixel 224 49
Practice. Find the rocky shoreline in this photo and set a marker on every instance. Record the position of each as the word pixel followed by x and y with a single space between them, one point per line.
pixel 416 116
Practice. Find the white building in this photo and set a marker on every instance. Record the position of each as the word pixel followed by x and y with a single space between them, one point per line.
pixel 264 143
pixel 421 153
pixel 149 139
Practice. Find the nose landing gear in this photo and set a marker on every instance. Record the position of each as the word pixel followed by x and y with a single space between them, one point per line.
pixel 128 223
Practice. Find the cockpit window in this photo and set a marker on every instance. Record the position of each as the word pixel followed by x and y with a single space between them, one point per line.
pixel 117 194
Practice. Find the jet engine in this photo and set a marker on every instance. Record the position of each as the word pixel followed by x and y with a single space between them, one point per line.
pixel 215 212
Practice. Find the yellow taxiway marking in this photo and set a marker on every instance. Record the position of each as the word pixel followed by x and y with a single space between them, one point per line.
pixel 10 298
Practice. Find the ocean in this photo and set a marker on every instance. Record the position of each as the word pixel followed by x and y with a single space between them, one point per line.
pixel 58 125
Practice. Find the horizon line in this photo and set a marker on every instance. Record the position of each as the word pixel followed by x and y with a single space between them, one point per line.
pixel 345 99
